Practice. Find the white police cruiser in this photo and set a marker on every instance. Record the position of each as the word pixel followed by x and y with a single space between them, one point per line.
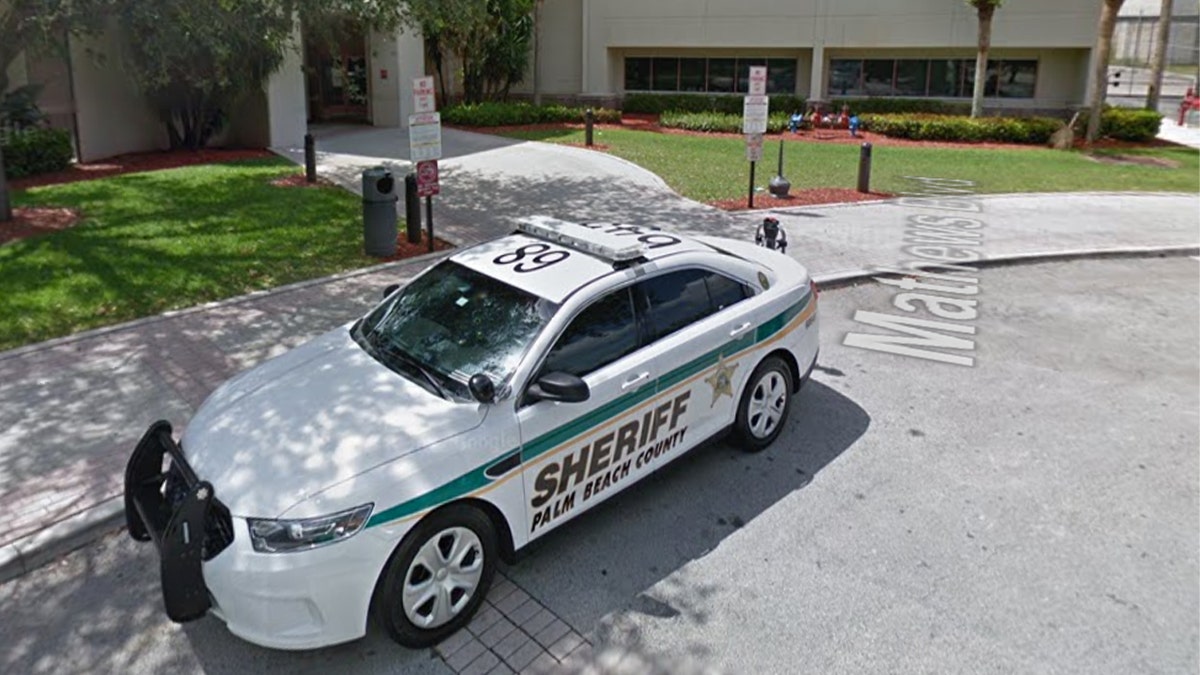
pixel 385 467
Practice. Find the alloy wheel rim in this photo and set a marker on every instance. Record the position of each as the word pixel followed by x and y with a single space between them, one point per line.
pixel 442 577
pixel 767 403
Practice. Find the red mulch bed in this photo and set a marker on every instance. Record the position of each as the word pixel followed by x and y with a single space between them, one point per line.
pixel 32 221
pixel 808 197
pixel 134 162
pixel 407 250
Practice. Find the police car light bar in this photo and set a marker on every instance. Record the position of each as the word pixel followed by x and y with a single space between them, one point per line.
pixel 581 238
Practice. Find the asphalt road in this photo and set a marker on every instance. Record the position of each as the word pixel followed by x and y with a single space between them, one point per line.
pixel 1037 512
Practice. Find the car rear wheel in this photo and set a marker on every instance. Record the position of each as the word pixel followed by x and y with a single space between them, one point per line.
pixel 438 576
pixel 764 406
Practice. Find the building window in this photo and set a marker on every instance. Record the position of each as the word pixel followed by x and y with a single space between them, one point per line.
pixel 951 78
pixel 643 73
pixel 721 74
pixel 666 74
pixel 945 78
pixel 912 77
pixel 781 76
pixel 1017 79
pixel 692 74
pixel 637 74
pixel 877 76
pixel 845 78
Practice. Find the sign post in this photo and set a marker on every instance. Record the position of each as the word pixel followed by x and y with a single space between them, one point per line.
pixel 755 108
pixel 425 144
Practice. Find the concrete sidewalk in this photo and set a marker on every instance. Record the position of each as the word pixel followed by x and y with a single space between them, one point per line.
pixel 71 409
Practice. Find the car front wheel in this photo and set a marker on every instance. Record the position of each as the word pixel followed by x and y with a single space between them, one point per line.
pixel 438 576
pixel 764 405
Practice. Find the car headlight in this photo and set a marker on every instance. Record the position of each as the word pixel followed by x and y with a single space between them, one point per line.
pixel 285 536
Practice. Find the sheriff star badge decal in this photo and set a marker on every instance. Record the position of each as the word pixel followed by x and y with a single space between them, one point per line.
pixel 721 381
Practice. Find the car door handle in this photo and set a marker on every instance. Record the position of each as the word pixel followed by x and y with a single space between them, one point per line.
pixel 741 330
pixel 635 380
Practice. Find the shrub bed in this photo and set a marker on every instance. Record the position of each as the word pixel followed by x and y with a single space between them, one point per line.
pixel 657 104
pixel 718 121
pixel 923 127
pixel 38 150
pixel 888 105
pixel 1127 124
pixel 497 114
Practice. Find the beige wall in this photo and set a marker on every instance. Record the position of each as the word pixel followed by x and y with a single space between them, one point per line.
pixel 111 115
pixel 814 29
pixel 561 48
pixel 403 57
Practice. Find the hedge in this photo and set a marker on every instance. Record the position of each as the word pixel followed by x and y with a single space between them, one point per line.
pixel 1128 124
pixel 39 150
pixel 921 127
pixel 656 104
pixel 496 114
pixel 887 105
pixel 719 121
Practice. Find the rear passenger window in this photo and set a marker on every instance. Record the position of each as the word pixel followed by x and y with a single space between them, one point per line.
pixel 724 291
pixel 677 300
pixel 601 334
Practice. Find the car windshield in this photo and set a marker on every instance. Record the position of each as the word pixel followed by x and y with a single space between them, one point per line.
pixel 451 323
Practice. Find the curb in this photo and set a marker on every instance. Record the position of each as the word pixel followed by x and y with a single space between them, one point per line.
pixel 853 277
pixel 28 553
pixel 33 551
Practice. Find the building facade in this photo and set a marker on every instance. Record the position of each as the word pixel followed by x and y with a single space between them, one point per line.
pixel 600 50
pixel 818 49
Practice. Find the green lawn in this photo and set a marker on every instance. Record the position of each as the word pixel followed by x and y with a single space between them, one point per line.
pixel 161 240
pixel 708 168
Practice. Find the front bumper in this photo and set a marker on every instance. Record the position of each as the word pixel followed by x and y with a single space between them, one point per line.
pixel 300 600
pixel 169 505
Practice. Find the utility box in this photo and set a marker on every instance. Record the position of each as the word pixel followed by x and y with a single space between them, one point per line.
pixel 379 212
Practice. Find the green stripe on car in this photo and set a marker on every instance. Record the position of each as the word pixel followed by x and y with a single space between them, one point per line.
pixel 477 478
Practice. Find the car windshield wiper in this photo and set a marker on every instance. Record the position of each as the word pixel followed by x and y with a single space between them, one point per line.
pixel 392 350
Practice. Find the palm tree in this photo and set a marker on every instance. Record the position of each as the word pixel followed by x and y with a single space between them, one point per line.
pixel 1160 56
pixel 5 208
pixel 984 9
pixel 1108 21
pixel 537 52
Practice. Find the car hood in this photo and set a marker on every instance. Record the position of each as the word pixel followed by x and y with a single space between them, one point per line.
pixel 313 417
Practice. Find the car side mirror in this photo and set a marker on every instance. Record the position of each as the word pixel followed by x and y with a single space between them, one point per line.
pixel 482 388
pixel 392 288
pixel 559 386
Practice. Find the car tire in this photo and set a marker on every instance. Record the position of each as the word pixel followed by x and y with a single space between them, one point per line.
pixel 437 577
pixel 765 402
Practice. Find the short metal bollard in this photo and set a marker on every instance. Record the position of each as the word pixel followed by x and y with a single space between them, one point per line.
pixel 589 119
pixel 864 169
pixel 412 209
pixel 379 212
pixel 310 158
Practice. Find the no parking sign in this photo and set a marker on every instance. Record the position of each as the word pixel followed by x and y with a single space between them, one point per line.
pixel 427 178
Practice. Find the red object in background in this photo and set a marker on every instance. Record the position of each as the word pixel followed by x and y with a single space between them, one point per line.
pixel 1190 102
pixel 383 73
pixel 427 178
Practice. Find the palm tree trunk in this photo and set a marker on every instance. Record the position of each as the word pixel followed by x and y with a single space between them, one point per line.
pixel 537 52
pixel 985 10
pixel 1108 21
pixel 5 207
pixel 1160 56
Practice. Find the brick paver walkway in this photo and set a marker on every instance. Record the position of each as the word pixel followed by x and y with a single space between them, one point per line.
pixel 71 411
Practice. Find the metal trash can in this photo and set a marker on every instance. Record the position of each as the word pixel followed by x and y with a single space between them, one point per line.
pixel 379 212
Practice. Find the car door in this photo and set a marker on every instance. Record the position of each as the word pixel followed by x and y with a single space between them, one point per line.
pixel 699 328
pixel 575 455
